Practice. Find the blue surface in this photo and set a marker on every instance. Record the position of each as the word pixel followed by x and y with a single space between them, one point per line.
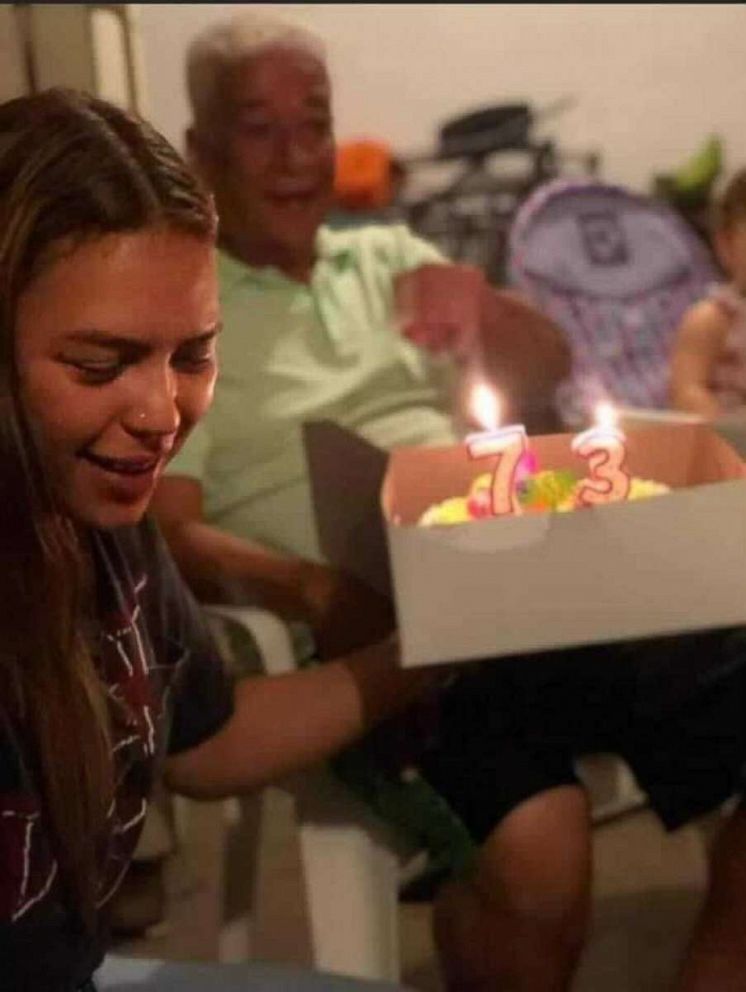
pixel 140 975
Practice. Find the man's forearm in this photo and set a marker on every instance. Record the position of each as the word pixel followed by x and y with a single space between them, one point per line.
pixel 220 567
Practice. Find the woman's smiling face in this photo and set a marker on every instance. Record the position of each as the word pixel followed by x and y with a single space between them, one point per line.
pixel 115 345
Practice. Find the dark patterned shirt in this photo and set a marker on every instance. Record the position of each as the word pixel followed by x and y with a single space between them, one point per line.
pixel 167 691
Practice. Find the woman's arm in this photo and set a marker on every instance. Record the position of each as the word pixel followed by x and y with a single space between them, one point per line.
pixel 699 341
pixel 283 723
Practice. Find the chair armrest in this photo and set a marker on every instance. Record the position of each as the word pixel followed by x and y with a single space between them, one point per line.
pixel 270 633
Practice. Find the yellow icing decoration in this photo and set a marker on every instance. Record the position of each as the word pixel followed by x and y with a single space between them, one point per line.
pixel 450 511
pixel 551 484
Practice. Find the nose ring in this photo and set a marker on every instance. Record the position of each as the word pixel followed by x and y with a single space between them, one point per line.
pixel 141 416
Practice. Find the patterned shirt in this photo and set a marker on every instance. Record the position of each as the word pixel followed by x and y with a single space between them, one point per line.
pixel 167 691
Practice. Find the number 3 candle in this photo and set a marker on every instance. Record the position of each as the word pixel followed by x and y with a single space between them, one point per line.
pixel 604 448
pixel 509 443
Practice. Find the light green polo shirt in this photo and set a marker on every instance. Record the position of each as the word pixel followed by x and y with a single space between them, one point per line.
pixel 291 352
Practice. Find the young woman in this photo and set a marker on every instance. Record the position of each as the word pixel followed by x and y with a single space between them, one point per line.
pixel 107 337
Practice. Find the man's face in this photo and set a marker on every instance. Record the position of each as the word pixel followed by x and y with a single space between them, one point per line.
pixel 273 173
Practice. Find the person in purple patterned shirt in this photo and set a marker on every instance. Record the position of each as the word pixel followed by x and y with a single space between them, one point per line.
pixel 708 363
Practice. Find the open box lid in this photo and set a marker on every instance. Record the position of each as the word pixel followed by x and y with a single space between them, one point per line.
pixel 346 474
pixel 730 425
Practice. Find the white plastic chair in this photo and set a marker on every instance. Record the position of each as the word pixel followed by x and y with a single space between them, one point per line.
pixel 350 860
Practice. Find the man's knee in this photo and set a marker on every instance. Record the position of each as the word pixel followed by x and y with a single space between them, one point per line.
pixel 536 865
pixel 727 857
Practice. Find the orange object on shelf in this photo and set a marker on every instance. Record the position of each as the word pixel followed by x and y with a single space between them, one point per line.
pixel 363 175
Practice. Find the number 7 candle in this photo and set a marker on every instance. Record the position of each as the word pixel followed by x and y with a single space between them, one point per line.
pixel 509 443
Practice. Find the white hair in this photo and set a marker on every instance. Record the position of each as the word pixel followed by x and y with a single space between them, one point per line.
pixel 229 43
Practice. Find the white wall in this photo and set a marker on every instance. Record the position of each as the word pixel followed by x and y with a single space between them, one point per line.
pixel 13 78
pixel 651 81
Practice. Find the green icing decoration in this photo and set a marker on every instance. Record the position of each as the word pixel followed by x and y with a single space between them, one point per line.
pixel 550 488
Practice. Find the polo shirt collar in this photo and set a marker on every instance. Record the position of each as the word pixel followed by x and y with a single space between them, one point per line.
pixel 331 246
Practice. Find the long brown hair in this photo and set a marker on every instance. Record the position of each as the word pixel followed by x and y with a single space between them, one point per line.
pixel 71 168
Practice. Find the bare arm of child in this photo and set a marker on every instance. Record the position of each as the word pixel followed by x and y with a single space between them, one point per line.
pixel 699 341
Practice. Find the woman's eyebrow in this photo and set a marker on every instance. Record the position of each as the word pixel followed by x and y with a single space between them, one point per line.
pixel 205 336
pixel 120 342
pixel 103 340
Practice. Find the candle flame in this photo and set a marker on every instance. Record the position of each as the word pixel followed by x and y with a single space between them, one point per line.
pixel 606 416
pixel 485 406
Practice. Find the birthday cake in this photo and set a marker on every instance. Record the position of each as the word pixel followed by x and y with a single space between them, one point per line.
pixel 550 490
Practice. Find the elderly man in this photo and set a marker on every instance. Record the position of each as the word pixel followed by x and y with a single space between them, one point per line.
pixel 344 325
pixel 317 323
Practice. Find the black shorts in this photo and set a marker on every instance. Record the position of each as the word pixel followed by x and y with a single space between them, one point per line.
pixel 512 728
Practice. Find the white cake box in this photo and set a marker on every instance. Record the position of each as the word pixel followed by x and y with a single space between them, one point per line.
pixel 500 586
